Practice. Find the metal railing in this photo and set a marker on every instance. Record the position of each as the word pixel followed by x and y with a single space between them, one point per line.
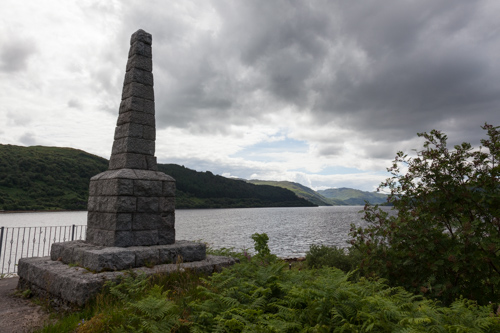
pixel 26 242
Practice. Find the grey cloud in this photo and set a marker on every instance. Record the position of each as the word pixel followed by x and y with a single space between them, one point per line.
pixel 18 118
pixel 15 54
pixel 74 103
pixel 330 150
pixel 28 139
pixel 383 71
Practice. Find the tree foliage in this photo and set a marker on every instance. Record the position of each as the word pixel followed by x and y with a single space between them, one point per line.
pixel 51 178
pixel 443 239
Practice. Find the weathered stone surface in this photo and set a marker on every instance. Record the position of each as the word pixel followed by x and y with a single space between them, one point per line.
pixel 140 48
pixel 167 204
pixel 151 162
pixel 108 259
pixel 135 89
pixel 136 117
pixel 166 235
pixel 137 104
pixel 129 130
pixel 168 220
pixel 168 189
pixel 134 130
pixel 141 36
pixel 78 286
pixel 146 221
pixel 140 62
pixel 133 145
pixel 148 205
pixel 129 161
pixel 109 221
pixel 139 76
pixel 148 188
pixel 101 258
pixel 145 237
pixel 100 237
pixel 117 186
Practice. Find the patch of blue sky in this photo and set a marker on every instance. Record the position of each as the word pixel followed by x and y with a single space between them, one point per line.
pixel 263 151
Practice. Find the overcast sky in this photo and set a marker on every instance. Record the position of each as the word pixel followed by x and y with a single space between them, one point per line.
pixel 323 93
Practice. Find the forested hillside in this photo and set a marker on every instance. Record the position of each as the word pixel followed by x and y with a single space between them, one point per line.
pixel 47 178
pixel 199 189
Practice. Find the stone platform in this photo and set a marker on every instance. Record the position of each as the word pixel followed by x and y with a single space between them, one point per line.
pixel 67 285
pixel 100 258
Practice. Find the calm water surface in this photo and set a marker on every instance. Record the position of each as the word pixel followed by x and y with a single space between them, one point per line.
pixel 291 230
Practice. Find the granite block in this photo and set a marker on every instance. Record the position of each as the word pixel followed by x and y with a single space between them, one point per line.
pixel 128 161
pixel 137 104
pixel 136 117
pixel 146 221
pixel 151 163
pixel 45 278
pixel 117 187
pixel 167 204
pixel 129 130
pixel 166 235
pixel 140 48
pixel 168 188
pixel 145 237
pixel 148 188
pixel 139 76
pixel 148 205
pixel 140 62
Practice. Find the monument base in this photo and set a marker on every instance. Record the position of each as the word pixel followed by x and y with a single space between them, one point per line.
pixel 68 286
pixel 100 258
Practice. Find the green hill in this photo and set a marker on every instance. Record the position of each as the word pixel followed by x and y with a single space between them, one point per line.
pixel 301 191
pixel 336 197
pixel 50 178
pixel 46 178
pixel 354 197
pixel 204 189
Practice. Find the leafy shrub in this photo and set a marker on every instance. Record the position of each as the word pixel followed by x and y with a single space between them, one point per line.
pixel 444 240
pixel 343 259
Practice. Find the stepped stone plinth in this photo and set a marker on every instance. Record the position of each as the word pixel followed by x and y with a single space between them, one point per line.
pixel 131 207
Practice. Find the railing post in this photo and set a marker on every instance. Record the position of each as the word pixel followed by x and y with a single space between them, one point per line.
pixel 1 240
pixel 73 233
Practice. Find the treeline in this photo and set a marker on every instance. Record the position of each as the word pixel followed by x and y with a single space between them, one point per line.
pixel 46 178
pixel 51 178
pixel 206 190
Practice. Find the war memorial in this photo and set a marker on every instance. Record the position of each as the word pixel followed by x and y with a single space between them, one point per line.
pixel 131 208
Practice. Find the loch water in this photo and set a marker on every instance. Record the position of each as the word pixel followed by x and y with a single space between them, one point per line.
pixel 291 231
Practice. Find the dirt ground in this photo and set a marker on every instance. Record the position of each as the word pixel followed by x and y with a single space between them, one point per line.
pixel 18 314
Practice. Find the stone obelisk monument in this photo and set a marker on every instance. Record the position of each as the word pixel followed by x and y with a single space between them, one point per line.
pixel 132 203
pixel 131 208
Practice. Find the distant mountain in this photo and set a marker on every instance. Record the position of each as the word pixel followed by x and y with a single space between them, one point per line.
pixel 354 197
pixel 301 191
pixel 51 178
pixel 329 197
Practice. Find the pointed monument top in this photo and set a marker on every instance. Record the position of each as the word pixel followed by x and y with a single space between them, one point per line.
pixel 141 36
pixel 135 134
